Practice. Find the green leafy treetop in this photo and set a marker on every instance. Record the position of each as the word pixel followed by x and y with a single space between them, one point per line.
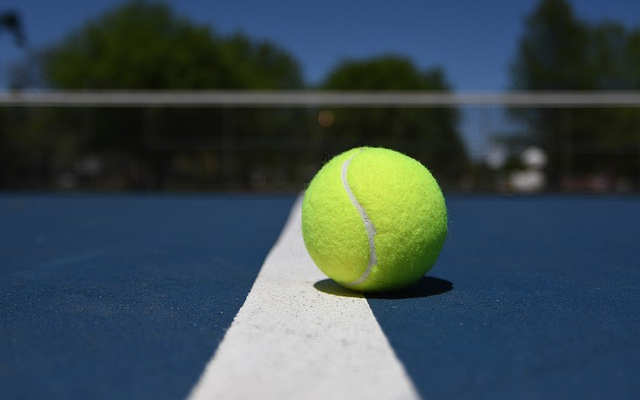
pixel 143 45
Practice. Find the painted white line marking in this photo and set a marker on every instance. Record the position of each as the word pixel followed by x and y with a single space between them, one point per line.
pixel 291 341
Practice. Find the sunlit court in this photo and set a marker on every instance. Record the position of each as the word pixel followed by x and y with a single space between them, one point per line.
pixel 192 209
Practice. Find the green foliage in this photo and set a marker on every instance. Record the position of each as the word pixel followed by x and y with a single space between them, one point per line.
pixel 427 134
pixel 143 45
pixel 558 51
pixel 552 52
pixel 261 65
pixel 383 73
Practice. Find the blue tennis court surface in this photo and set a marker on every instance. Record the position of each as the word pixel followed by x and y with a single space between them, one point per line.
pixel 129 296
pixel 545 302
pixel 123 297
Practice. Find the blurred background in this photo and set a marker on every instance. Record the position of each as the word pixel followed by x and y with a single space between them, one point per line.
pixel 552 53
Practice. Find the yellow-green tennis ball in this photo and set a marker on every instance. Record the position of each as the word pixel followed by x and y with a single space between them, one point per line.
pixel 374 219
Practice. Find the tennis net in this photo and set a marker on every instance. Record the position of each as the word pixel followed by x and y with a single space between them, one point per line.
pixel 275 141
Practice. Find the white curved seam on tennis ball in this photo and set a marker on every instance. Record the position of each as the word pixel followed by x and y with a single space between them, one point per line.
pixel 370 228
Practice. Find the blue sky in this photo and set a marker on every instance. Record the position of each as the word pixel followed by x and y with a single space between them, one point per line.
pixel 474 41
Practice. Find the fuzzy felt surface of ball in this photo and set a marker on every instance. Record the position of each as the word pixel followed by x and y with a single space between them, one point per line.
pixel 374 219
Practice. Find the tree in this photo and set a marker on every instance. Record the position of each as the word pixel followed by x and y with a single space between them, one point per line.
pixel 559 52
pixel 144 45
pixel 552 52
pixel 261 65
pixel 430 135
pixel 11 22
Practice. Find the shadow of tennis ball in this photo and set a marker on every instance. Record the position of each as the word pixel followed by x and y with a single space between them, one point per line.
pixel 425 287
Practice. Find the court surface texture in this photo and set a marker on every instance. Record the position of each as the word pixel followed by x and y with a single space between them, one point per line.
pixel 214 297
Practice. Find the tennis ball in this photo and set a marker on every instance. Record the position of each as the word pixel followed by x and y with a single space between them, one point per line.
pixel 374 219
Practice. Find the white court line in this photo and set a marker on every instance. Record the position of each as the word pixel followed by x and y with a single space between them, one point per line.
pixel 291 341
